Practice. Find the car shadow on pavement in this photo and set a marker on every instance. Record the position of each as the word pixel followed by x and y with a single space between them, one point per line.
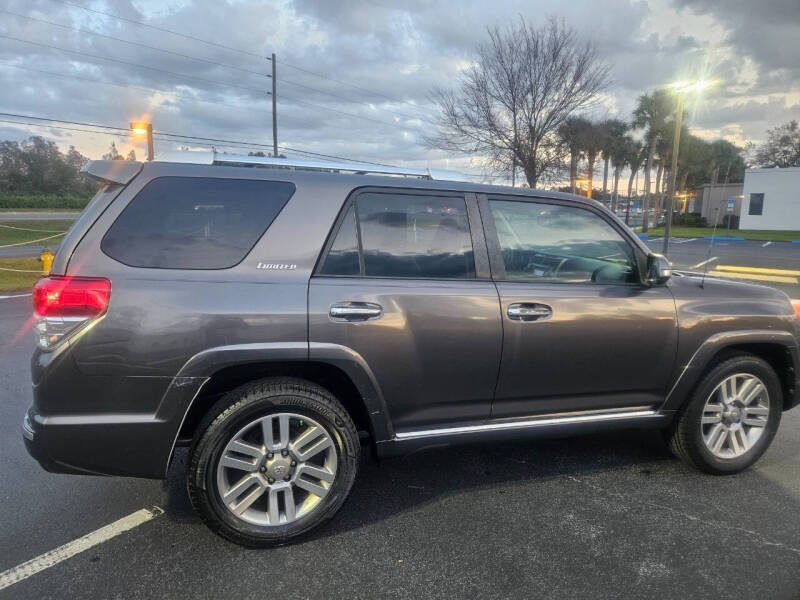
pixel 391 486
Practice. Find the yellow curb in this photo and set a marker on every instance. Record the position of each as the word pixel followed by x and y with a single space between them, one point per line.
pixel 755 276
pixel 787 272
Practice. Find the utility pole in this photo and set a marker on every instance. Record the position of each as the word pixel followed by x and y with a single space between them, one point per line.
pixel 673 174
pixel 274 109
pixel 145 129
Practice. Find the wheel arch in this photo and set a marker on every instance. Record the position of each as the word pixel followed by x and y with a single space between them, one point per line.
pixel 216 371
pixel 778 348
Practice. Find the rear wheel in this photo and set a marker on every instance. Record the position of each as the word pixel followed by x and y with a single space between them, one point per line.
pixel 274 460
pixel 731 418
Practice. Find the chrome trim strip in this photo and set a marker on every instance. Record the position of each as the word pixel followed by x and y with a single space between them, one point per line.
pixel 541 422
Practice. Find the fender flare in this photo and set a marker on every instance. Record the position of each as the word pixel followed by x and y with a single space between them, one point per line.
pixel 692 371
pixel 177 401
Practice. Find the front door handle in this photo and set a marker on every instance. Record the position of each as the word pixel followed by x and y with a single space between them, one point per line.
pixel 529 312
pixel 355 311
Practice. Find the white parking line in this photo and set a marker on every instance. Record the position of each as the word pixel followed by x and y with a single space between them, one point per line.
pixel 765 244
pixel 700 264
pixel 70 549
pixel 17 296
pixel 684 241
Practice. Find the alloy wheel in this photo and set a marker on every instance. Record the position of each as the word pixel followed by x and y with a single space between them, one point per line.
pixel 735 415
pixel 276 469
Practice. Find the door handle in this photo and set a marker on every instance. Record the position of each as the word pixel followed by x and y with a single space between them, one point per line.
pixel 355 311
pixel 529 312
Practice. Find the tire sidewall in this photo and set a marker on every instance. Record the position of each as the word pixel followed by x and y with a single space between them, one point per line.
pixel 741 364
pixel 249 408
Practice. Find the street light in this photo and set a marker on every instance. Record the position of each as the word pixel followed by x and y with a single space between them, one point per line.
pixel 142 128
pixel 680 88
pixel 580 181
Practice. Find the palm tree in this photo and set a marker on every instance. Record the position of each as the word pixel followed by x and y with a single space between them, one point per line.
pixel 592 146
pixel 635 163
pixel 613 130
pixel 623 152
pixel 572 133
pixel 651 113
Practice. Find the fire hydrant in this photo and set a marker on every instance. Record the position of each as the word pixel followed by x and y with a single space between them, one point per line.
pixel 47 261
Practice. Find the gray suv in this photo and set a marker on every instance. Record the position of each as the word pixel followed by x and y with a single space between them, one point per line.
pixel 278 317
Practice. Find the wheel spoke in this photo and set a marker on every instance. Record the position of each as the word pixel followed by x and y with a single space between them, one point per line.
pixel 274 509
pixel 242 464
pixel 717 437
pixel 757 410
pixel 728 390
pixel 734 442
pixel 322 444
pixel 711 419
pixel 713 408
pixel 310 486
pixel 243 447
pixel 248 500
pixel 752 392
pixel 239 488
pixel 754 422
pixel 268 427
pixel 316 472
pixel 744 442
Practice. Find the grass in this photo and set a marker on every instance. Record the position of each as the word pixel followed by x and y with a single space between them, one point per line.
pixel 12 281
pixel 43 201
pixel 748 234
pixel 22 232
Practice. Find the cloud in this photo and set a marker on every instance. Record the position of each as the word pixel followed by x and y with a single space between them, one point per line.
pixel 354 76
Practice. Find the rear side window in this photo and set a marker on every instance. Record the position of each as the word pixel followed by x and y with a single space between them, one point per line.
pixel 194 222
pixel 404 236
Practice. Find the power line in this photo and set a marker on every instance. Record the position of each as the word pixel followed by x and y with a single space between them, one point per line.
pixel 295 100
pixel 132 64
pixel 162 29
pixel 211 62
pixel 256 55
pixel 116 39
pixel 133 87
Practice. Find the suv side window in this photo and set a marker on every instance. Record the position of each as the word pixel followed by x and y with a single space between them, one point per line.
pixel 194 222
pixel 554 243
pixel 405 235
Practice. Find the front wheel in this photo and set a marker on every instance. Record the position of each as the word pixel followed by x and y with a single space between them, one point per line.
pixel 274 460
pixel 731 418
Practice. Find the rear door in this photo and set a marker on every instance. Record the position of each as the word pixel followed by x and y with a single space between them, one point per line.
pixel 581 332
pixel 404 283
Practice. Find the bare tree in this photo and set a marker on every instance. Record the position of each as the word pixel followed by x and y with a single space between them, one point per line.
pixel 527 80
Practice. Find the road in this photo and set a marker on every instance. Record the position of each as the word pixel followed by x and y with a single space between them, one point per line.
pixel 597 516
pixel 782 259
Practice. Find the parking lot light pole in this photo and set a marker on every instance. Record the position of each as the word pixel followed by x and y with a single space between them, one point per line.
pixel 681 88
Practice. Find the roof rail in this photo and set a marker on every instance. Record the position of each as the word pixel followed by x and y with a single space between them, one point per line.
pixel 294 164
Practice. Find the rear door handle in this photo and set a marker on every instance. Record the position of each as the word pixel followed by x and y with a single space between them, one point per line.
pixel 529 312
pixel 355 311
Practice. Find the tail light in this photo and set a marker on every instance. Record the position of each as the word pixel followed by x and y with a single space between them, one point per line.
pixel 62 304
pixel 796 304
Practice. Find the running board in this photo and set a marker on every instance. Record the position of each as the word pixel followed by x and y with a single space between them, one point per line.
pixel 540 426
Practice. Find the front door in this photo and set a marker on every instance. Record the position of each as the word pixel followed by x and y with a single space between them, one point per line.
pixel 399 286
pixel 581 332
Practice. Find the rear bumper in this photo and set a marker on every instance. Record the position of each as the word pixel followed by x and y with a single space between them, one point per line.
pixel 37 447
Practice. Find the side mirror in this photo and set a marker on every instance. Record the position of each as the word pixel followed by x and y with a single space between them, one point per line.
pixel 659 270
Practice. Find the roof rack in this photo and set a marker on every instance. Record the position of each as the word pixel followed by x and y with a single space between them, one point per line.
pixel 294 164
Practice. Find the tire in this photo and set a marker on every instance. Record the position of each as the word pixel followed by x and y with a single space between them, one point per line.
pixel 269 483
pixel 695 440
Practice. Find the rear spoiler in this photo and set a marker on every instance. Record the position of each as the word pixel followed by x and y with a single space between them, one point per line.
pixel 112 171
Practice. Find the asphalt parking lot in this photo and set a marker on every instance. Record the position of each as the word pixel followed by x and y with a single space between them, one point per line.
pixel 597 516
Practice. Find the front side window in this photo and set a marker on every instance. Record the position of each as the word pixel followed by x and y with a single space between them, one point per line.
pixel 194 222
pixel 756 205
pixel 560 244
pixel 405 235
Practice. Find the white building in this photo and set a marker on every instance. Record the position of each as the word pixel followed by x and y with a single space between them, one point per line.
pixel 771 199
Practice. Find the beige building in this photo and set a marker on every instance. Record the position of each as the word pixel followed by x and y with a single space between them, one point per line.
pixel 712 201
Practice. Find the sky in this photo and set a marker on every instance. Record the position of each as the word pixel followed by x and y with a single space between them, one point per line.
pixel 355 76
